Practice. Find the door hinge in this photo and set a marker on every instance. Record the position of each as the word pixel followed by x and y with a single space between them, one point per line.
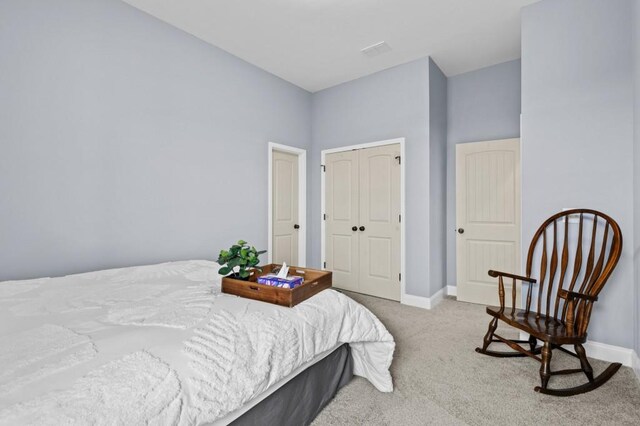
pixel 400 218
pixel 399 277
pixel 325 265
pixel 399 159
pixel 324 216
pixel 324 168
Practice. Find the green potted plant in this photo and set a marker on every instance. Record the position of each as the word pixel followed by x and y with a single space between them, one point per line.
pixel 239 260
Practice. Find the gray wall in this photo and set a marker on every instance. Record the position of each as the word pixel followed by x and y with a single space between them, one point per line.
pixel 126 141
pixel 577 131
pixel 636 172
pixel 482 105
pixel 385 105
pixel 437 177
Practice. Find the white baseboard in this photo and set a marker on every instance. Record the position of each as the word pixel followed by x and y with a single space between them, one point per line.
pixel 436 298
pixel 603 351
pixel 635 362
pixel 609 353
pixel 452 290
pixel 417 301
pixel 423 302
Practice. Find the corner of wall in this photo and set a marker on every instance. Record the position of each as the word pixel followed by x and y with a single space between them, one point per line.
pixel 437 178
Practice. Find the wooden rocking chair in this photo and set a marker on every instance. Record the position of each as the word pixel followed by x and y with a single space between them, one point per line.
pixel 565 321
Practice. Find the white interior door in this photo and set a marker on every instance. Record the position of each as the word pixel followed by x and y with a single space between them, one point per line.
pixel 285 208
pixel 379 224
pixel 342 218
pixel 362 223
pixel 488 218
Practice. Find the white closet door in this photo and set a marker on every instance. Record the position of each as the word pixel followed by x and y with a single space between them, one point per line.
pixel 488 218
pixel 285 208
pixel 341 203
pixel 379 224
pixel 362 201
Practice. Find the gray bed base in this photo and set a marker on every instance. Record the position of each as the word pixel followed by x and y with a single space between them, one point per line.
pixel 302 398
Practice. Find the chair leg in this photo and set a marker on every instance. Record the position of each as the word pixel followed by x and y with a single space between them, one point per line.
pixel 493 325
pixel 489 338
pixel 545 367
pixel 533 343
pixel 584 363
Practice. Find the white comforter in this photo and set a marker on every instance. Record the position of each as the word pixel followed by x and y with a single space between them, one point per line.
pixel 161 345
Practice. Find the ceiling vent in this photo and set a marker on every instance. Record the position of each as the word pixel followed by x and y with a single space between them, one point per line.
pixel 376 49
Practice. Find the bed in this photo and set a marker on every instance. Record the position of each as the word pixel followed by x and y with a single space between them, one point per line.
pixel 160 344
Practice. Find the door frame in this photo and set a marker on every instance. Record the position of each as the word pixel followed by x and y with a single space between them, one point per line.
pixel 323 153
pixel 302 199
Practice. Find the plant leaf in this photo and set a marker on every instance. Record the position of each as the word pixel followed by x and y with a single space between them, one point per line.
pixel 224 270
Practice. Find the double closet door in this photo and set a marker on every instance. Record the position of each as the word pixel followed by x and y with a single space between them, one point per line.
pixel 362 222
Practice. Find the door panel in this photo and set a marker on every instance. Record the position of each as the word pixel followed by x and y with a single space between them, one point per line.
pixel 341 203
pixel 488 209
pixel 383 248
pixel 285 207
pixel 377 179
pixel 343 255
pixel 282 247
pixel 380 216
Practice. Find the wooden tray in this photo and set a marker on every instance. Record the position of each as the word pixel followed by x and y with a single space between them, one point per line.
pixel 314 282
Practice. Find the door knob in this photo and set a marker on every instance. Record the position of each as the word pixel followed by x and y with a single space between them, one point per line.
pixel 296 226
pixel 354 228
pixel 362 228
pixel 460 230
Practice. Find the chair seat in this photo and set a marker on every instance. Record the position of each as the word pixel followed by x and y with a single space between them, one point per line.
pixel 544 328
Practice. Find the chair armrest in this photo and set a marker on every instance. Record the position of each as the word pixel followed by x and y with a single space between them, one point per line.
pixel 574 295
pixel 500 276
pixel 495 274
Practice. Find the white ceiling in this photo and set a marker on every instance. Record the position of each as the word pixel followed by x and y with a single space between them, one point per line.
pixel 316 44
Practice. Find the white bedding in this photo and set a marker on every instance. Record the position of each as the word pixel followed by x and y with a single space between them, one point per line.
pixel 160 344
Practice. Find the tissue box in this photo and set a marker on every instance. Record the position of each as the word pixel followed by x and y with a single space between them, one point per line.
pixel 273 280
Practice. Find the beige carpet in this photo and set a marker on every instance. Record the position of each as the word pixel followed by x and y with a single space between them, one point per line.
pixel 439 379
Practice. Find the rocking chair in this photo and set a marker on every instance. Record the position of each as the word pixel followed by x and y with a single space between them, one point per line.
pixel 565 321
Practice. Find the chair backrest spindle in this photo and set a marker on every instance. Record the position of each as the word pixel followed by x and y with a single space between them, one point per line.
pixel 564 264
pixel 543 271
pixel 554 266
pixel 587 273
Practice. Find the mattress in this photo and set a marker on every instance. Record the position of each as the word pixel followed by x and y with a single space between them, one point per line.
pixel 160 344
